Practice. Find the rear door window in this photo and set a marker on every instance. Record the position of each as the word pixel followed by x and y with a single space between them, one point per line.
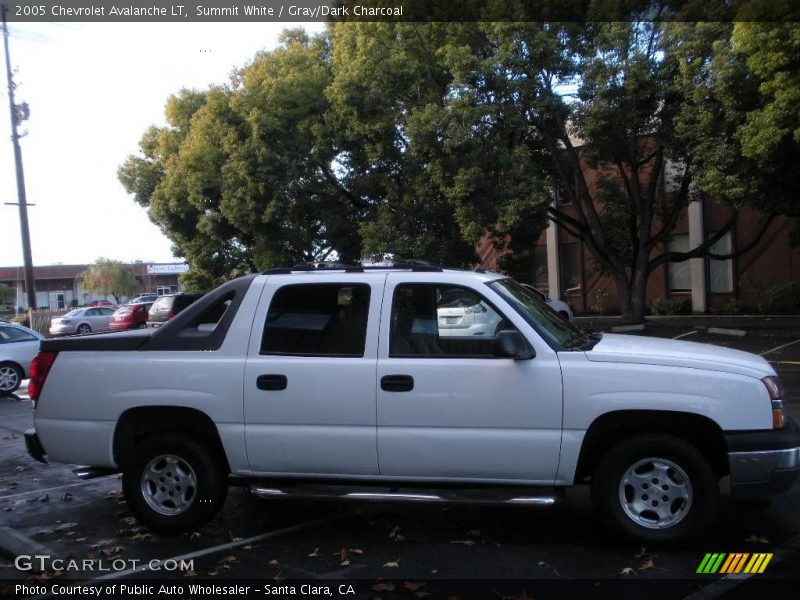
pixel 317 320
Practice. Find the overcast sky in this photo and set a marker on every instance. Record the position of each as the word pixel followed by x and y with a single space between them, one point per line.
pixel 93 89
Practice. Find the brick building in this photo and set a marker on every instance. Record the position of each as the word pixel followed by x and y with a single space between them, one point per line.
pixel 765 279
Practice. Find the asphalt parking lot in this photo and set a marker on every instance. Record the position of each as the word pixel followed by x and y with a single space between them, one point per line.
pixel 394 550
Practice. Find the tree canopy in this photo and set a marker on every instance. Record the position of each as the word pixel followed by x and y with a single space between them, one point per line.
pixel 417 140
pixel 110 277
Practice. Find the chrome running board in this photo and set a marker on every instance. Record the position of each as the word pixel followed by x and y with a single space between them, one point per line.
pixel 339 492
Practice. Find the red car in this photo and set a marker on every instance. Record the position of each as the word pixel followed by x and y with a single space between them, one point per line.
pixel 100 303
pixel 130 316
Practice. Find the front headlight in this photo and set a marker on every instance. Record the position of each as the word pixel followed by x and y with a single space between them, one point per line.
pixel 775 390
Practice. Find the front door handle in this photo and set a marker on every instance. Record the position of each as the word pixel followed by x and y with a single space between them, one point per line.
pixel 397 383
pixel 271 382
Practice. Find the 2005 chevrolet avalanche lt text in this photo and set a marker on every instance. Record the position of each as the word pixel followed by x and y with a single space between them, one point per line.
pixel 347 381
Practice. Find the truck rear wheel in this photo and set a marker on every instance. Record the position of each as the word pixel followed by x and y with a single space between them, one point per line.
pixel 656 489
pixel 173 484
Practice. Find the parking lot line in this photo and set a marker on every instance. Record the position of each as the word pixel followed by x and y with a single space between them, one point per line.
pixel 213 549
pixel 781 347
pixel 683 335
pixel 54 488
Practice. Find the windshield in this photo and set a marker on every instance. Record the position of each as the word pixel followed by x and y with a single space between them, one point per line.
pixel 541 317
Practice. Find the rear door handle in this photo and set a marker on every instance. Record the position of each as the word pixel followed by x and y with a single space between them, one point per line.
pixel 271 382
pixel 397 383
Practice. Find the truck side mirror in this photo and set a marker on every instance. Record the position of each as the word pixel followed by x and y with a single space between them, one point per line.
pixel 511 344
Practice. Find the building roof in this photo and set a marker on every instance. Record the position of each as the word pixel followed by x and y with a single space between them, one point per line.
pixel 15 273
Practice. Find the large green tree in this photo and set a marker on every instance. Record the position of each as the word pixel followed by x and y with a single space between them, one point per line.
pixel 416 140
pixel 243 175
pixel 628 120
pixel 110 277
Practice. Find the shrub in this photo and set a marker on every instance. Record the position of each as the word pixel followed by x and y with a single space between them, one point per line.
pixel 671 306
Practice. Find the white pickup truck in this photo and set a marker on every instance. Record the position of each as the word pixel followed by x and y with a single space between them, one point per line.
pixel 340 382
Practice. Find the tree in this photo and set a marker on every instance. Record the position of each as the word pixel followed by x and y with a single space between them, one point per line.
pixel 242 178
pixel 634 103
pixel 110 277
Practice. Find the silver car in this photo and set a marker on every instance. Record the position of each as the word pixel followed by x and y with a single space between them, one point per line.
pixel 82 321
pixel 18 346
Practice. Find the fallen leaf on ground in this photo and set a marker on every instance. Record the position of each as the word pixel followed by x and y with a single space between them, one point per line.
pixel 190 573
pixel 20 469
pixel 628 571
pixel 464 542
pixel 648 564
pixel 314 554
pixel 392 564
pixel 67 497
pixel 141 536
pixel 642 552
pixel 112 550
pixel 414 586
pixel 228 559
pixel 274 562
pixel 383 587
pixel 194 534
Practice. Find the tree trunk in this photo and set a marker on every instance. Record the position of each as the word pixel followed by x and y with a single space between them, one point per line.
pixel 638 294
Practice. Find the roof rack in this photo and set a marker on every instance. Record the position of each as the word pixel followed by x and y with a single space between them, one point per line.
pixel 406 265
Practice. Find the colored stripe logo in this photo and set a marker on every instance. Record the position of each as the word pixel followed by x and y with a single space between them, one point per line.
pixel 735 562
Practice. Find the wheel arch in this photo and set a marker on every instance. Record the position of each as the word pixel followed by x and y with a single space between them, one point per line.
pixel 613 427
pixel 136 424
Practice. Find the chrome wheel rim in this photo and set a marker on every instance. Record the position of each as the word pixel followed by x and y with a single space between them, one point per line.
pixel 655 493
pixel 169 485
pixel 9 378
pixel 83 329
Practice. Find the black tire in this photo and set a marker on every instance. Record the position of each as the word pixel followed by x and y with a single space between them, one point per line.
pixel 83 329
pixel 11 377
pixel 691 519
pixel 141 326
pixel 204 502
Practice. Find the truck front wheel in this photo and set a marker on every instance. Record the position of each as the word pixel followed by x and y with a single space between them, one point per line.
pixel 173 484
pixel 656 489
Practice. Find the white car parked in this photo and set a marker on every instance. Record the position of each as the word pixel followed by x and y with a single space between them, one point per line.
pixel 557 305
pixel 343 382
pixel 18 346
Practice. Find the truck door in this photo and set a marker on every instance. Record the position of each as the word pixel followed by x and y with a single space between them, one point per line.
pixel 309 392
pixel 447 407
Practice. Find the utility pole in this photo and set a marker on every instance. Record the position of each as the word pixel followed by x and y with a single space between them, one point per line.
pixel 19 114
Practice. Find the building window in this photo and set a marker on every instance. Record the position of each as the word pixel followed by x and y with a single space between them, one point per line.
pixel 162 290
pixel 720 272
pixel 678 274
pixel 540 273
pixel 570 267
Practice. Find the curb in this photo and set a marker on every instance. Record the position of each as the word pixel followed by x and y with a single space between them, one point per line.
pixel 724 331
pixel 624 328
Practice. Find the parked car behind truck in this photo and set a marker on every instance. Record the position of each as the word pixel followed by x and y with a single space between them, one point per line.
pixel 166 307
pixel 296 378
